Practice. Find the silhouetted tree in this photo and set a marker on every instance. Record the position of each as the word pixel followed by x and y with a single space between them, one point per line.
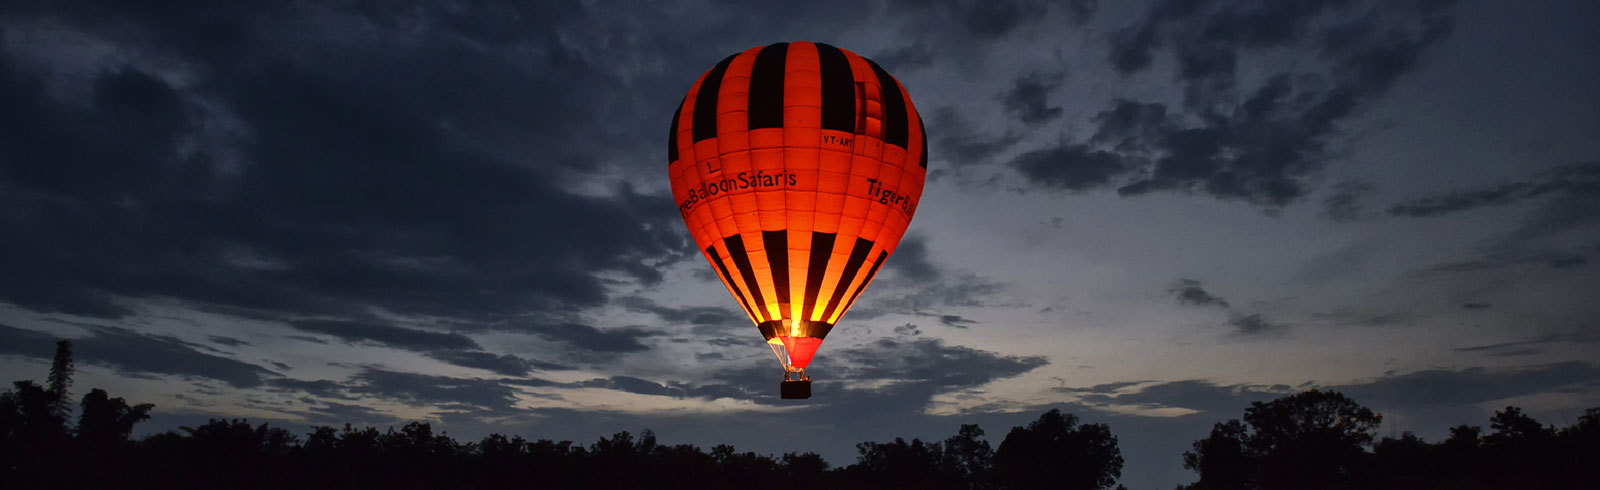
pixel 1222 458
pixel 60 380
pixel 902 464
pixel 1056 452
pixel 1311 439
pixel 108 421
pixel 968 456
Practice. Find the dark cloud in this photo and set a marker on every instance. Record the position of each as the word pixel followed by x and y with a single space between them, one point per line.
pixel 909 297
pixel 1532 345
pixel 302 176
pixel 1191 292
pixel 917 54
pixel 1104 388
pixel 505 364
pixel 629 384
pixel 1345 204
pixel 930 360
pixel 321 388
pixel 995 18
pixel 956 321
pixel 228 341
pixel 1416 390
pixel 1255 324
pixel 132 353
pixel 478 394
pixel 696 316
pixel 452 348
pixel 1069 167
pixel 1081 11
pixel 1258 141
pixel 911 262
pixel 1581 179
pixel 619 340
pixel 1028 98
pixel 388 335
pixel 1440 387
pixel 1193 394
pixel 960 143
pixel 1476 306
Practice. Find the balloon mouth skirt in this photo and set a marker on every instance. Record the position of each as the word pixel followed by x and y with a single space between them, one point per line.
pixel 792 389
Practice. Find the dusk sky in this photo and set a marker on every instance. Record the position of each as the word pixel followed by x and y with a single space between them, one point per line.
pixel 1148 214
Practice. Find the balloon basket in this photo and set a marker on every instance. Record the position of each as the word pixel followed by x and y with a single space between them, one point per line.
pixel 795 389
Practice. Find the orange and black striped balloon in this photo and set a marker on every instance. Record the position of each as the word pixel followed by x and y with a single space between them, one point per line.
pixel 797 166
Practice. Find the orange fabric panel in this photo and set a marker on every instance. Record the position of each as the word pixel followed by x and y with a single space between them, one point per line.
pixel 799 179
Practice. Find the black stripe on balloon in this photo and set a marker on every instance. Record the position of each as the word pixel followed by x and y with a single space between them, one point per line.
pixel 896 124
pixel 766 87
pixel 741 259
pixel 870 272
pixel 705 102
pixel 851 267
pixel 821 251
pixel 838 90
pixel 672 137
pixel 924 128
pixel 728 279
pixel 777 245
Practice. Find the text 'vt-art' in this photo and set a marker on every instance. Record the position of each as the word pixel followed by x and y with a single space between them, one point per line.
pixel 797 166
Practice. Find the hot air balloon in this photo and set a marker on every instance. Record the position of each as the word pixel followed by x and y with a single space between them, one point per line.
pixel 796 167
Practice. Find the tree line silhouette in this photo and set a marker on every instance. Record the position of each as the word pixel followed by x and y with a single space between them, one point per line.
pixel 1309 440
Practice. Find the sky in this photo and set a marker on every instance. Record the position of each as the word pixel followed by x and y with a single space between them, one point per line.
pixel 1148 214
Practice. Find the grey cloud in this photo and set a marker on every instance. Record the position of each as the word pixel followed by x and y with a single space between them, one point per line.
pixel 930 360
pixel 1082 11
pixel 995 18
pixel 910 261
pixel 1582 179
pixel 696 316
pixel 1427 389
pixel 1261 144
pixel 451 348
pixel 228 341
pixel 960 143
pixel 593 339
pixel 1199 395
pixel 1069 167
pixel 1028 98
pixel 911 56
pixel 956 321
pixel 1440 387
pixel 1345 204
pixel 424 209
pixel 321 388
pixel 1255 324
pixel 1531 345
pixel 132 353
pixel 1103 388
pixel 634 385
pixel 953 290
pixel 505 364
pixel 482 394
pixel 388 335
pixel 1191 292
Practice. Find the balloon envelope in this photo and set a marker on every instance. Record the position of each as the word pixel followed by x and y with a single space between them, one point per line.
pixel 797 167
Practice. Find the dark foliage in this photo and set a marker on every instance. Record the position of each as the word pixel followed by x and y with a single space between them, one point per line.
pixel 1324 440
pixel 1056 452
